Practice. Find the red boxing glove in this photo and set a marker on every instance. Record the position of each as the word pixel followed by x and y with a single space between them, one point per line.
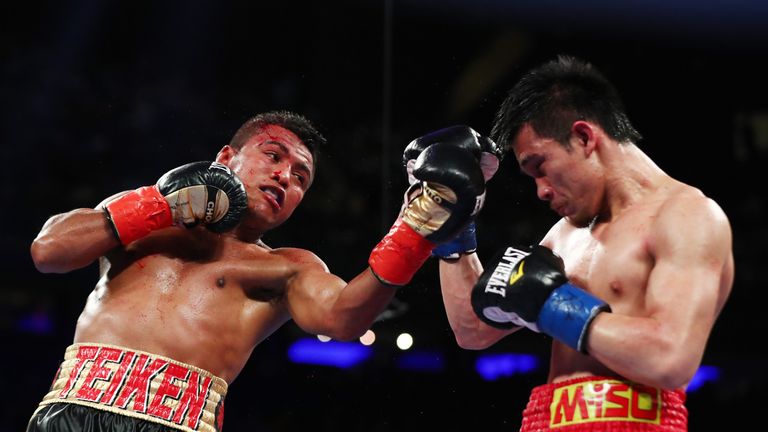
pixel 205 193
pixel 137 213
pixel 400 254
pixel 449 193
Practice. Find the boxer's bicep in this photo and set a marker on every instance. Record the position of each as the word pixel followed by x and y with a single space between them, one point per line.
pixel 310 294
pixel 72 240
pixel 690 245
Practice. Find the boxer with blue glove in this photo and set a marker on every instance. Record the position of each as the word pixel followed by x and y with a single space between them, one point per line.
pixel 528 288
pixel 628 280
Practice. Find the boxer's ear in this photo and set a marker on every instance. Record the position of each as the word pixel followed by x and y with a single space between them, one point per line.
pixel 583 136
pixel 226 154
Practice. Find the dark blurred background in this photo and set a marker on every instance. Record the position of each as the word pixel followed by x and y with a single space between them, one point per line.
pixel 99 97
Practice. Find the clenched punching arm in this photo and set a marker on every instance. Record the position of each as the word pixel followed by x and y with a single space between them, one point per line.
pixel 459 266
pixel 449 189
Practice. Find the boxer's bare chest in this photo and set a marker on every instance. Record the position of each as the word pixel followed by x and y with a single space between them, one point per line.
pixel 206 303
pixel 611 259
pixel 170 282
pixel 207 264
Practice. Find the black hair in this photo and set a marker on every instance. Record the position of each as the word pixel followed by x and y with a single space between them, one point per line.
pixel 553 95
pixel 296 123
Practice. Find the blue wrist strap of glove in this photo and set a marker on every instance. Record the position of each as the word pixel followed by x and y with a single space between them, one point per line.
pixel 465 242
pixel 567 314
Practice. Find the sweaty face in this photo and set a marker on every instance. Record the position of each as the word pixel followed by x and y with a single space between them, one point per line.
pixel 563 176
pixel 276 169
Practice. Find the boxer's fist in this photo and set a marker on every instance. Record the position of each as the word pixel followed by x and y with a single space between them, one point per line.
pixel 206 193
pixel 449 190
pixel 452 192
pixel 487 153
pixel 528 287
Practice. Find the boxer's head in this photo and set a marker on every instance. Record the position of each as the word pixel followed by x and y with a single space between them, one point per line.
pixel 553 120
pixel 274 154
pixel 295 123
pixel 551 97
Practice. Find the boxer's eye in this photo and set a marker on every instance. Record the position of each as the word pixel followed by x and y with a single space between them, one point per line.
pixel 532 166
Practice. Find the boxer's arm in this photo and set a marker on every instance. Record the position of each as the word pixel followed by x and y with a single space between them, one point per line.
pixel 456 281
pixel 449 193
pixel 691 246
pixel 73 240
pixel 322 303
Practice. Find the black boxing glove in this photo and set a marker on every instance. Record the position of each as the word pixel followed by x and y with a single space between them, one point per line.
pixel 488 156
pixel 528 287
pixel 487 153
pixel 453 192
pixel 449 192
pixel 206 193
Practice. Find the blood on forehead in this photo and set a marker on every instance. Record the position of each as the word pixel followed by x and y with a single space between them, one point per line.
pixel 279 134
pixel 288 142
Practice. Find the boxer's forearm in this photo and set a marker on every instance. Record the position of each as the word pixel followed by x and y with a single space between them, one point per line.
pixel 667 361
pixel 72 240
pixel 456 281
pixel 360 303
pixel 324 304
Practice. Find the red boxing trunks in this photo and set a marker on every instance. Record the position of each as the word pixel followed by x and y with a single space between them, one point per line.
pixel 139 385
pixel 604 405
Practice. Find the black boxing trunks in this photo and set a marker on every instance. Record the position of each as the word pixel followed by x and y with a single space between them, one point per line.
pixel 103 385
pixel 600 404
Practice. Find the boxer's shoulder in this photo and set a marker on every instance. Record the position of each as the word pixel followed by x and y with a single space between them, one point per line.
pixel 299 257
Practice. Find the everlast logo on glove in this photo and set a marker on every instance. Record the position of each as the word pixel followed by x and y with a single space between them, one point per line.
pixel 502 275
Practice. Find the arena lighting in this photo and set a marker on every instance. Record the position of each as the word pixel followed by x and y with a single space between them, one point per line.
pixel 703 374
pixel 404 341
pixel 368 338
pixel 422 361
pixel 331 353
pixel 494 366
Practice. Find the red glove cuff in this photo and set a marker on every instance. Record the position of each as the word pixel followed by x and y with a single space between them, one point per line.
pixel 399 255
pixel 137 213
